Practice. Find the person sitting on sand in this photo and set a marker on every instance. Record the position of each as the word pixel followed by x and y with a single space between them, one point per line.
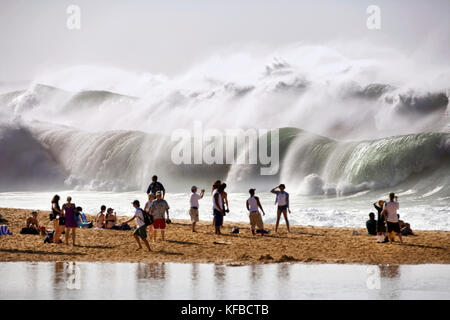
pixel 32 224
pixel 405 228
pixel 100 218
pixel 158 210
pixel 253 204
pixel 390 213
pixel 218 209
pixel 282 200
pixel 82 221
pixel 156 186
pixel 141 231
pixel 110 219
pixel 371 225
pixel 193 211
pixel 69 209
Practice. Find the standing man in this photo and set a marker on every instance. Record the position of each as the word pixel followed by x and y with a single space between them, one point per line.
pixel 282 201
pixel 253 204
pixel 390 212
pixel 218 210
pixel 193 211
pixel 156 186
pixel 141 231
pixel 158 209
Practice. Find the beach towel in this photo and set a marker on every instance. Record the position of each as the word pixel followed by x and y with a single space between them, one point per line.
pixel 29 231
pixel 4 230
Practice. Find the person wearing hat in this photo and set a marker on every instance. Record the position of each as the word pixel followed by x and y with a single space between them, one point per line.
pixel 193 211
pixel 282 200
pixel 141 231
pixel 110 219
pixel 158 210
pixel 253 204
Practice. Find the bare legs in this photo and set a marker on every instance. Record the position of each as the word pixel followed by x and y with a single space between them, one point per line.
pixel 139 243
pixel 154 234
pixel 285 219
pixel 68 231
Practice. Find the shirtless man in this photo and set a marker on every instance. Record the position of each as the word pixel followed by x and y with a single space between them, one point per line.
pixel 100 218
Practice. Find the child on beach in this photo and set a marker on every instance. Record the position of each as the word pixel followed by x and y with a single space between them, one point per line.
pixel 158 210
pixel 282 200
pixel 253 204
pixel 141 231
pixel 193 211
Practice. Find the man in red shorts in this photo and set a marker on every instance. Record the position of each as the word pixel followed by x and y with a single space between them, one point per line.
pixel 158 210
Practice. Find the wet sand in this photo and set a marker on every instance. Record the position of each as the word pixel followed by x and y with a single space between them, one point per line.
pixel 305 244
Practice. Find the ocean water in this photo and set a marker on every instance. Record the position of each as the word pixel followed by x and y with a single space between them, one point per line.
pixel 84 280
pixel 422 211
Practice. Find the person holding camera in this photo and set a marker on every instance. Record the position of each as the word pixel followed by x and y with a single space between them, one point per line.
pixel 193 211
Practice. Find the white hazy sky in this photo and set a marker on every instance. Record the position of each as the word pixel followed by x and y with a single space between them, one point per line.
pixel 170 36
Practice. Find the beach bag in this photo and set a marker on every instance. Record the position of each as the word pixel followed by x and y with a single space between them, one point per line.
pixel 148 218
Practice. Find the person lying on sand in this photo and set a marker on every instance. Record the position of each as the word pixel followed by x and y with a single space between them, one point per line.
pixel 141 231
pixel 282 200
pixel 253 204
pixel 158 210
pixel 193 211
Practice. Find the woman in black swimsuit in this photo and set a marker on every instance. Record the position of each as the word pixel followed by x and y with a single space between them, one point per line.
pixel 381 224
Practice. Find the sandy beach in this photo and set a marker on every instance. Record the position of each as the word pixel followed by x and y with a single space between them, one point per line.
pixel 305 244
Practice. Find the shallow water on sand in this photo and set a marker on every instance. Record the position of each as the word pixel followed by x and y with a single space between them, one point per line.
pixel 85 280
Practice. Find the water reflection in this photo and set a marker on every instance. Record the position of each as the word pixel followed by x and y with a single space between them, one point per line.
pixel 83 280
pixel 389 271
pixel 155 271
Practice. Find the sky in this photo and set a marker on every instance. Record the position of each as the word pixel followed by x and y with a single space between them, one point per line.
pixel 171 36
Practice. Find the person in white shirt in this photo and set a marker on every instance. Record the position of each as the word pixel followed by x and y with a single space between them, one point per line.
pixel 141 231
pixel 253 204
pixel 390 213
pixel 282 201
pixel 193 211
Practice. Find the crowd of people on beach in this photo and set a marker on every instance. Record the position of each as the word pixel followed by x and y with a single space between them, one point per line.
pixel 388 223
pixel 154 216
